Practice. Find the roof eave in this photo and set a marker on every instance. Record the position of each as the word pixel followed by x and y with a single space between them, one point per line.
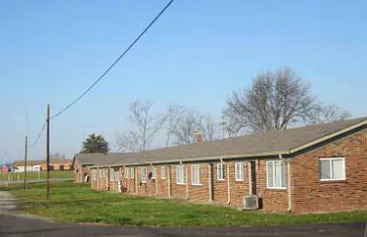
pixel 243 156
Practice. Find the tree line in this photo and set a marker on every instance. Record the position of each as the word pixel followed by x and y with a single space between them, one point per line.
pixel 275 100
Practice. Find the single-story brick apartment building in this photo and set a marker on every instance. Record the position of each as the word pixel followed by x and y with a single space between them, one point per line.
pixel 83 161
pixel 308 169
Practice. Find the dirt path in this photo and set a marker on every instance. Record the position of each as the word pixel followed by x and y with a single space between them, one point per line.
pixel 7 202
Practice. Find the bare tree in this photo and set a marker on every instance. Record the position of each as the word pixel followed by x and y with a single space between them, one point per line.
pixel 233 124
pixel 275 100
pixel 208 127
pixel 170 121
pixel 326 114
pixel 183 124
pixel 145 127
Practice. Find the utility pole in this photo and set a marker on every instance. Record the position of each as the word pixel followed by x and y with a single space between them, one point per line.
pixel 48 152
pixel 25 162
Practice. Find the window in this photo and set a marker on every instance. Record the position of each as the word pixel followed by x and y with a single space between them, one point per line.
pixel 220 171
pixel 143 174
pixel 276 171
pixel 239 171
pixel 163 172
pixel 195 174
pixel 116 174
pixel 180 174
pixel 132 172
pixel 103 173
pixel 126 172
pixel 112 174
pixel 154 172
pixel 332 168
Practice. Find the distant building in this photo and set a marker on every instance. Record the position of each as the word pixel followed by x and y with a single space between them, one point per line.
pixel 4 169
pixel 40 165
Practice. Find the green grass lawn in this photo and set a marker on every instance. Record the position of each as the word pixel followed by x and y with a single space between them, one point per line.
pixel 72 202
pixel 34 175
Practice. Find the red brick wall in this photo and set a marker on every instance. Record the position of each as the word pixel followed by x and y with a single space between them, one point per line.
pixel 309 194
pixel 274 200
pixel 219 186
pixel 178 190
pixel 162 182
pixel 239 189
pixel 199 193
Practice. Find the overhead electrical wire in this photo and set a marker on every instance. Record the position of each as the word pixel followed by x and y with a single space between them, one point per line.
pixel 39 136
pixel 114 63
pixel 105 72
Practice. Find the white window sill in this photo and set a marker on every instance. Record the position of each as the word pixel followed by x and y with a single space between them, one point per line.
pixel 144 182
pixel 328 180
pixel 163 178
pixel 239 180
pixel 196 184
pixel 221 180
pixel 181 183
pixel 277 188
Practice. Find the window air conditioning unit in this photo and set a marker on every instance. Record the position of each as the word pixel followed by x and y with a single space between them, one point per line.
pixel 251 202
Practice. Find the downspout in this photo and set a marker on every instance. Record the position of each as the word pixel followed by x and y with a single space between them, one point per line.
pixel 169 182
pixel 187 181
pixel 210 183
pixel 98 177
pixel 156 180
pixel 136 178
pixel 228 185
pixel 249 171
pixel 109 178
pixel 289 188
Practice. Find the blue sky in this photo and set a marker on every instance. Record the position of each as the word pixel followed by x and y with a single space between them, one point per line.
pixel 196 54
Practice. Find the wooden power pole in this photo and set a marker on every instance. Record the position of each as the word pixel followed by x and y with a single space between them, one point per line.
pixel 48 152
pixel 25 162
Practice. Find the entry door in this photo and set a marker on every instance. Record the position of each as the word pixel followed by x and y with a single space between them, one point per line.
pixel 253 177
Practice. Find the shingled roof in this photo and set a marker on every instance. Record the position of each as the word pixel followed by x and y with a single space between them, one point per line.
pixel 285 142
pixel 99 158
pixel 39 162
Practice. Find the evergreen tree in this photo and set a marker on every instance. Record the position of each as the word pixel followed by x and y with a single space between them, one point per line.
pixel 95 144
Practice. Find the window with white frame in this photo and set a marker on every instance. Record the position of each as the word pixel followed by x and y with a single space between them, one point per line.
pixel 132 172
pixel 239 171
pixel 276 172
pixel 112 174
pixel 116 175
pixel 163 172
pixel 220 171
pixel 195 174
pixel 143 174
pixel 126 172
pixel 103 173
pixel 180 174
pixel 154 172
pixel 332 168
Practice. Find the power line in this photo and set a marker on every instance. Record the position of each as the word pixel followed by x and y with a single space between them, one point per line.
pixel 39 136
pixel 114 63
